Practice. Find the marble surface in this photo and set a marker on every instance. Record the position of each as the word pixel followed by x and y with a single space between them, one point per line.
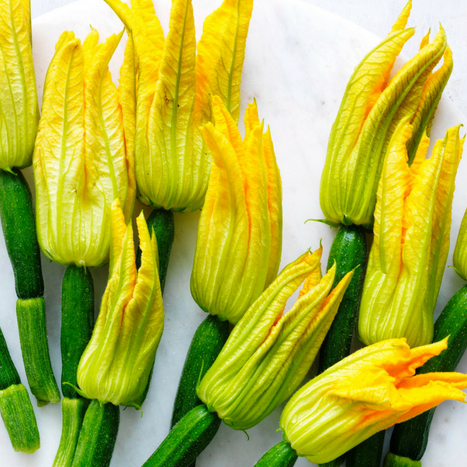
pixel 297 64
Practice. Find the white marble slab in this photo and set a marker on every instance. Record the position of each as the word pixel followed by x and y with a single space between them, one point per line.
pixel 298 61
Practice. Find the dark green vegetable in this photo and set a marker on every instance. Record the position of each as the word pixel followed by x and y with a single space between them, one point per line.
pixel 8 373
pixel 98 435
pixel 281 455
pixel 409 439
pixel 206 345
pixel 368 453
pixel 77 323
pixel 397 461
pixel 349 251
pixel 187 439
pixel 19 230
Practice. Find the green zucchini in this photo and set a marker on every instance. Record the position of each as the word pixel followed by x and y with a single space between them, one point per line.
pixel 409 439
pixel 281 455
pixel 77 323
pixel 187 439
pixel 73 411
pixel 397 461
pixel 15 405
pixel 19 230
pixel 349 252
pixel 367 454
pixel 98 435
pixel 206 345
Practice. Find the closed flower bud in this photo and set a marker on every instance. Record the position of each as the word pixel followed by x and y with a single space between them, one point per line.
pixel 18 97
pixel 268 354
pixel 370 111
pixel 366 392
pixel 177 79
pixel 82 161
pixel 116 364
pixel 411 243
pixel 239 242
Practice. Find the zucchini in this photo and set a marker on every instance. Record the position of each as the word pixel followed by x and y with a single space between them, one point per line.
pixel 409 439
pixel 15 405
pixel 281 455
pixel 98 435
pixel 19 230
pixel 187 439
pixel 367 454
pixel 73 411
pixel 349 251
pixel 77 323
pixel 206 345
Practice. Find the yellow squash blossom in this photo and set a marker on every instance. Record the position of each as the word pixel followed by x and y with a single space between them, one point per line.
pixel 116 364
pixel 83 158
pixel 174 89
pixel 267 355
pixel 370 111
pixel 411 244
pixel 366 392
pixel 460 252
pixel 239 242
pixel 18 98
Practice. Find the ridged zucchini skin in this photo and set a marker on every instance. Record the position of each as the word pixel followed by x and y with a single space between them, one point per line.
pixel 98 435
pixel 349 251
pixel 280 455
pixel 77 323
pixel 409 439
pixel 187 439
pixel 397 461
pixel 367 454
pixel 206 345
pixel 19 229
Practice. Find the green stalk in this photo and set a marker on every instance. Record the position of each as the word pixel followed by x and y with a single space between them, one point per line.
pixel 15 405
pixel 19 229
pixel 280 455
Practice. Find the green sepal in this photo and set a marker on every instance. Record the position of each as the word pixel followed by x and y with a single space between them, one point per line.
pixel 20 421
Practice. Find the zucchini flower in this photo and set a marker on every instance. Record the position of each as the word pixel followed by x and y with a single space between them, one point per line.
pixel 460 252
pixel 268 354
pixel 175 86
pixel 18 99
pixel 239 242
pixel 366 392
pixel 370 111
pixel 411 243
pixel 116 364
pixel 83 158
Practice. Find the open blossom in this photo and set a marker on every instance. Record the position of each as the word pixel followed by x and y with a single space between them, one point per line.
pixel 83 158
pixel 18 98
pixel 366 392
pixel 238 249
pixel 370 111
pixel 411 244
pixel 176 80
pixel 116 364
pixel 268 354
